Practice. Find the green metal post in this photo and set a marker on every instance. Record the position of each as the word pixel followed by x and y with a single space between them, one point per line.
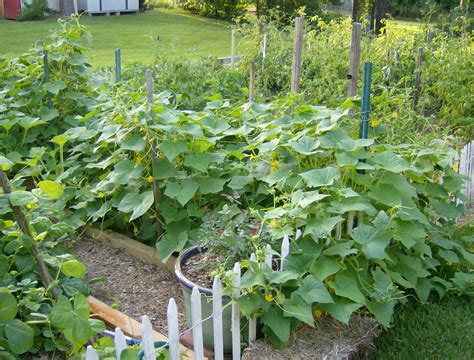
pixel 46 77
pixel 118 69
pixel 365 108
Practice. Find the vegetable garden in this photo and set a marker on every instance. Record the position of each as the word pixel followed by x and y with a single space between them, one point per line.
pixel 372 222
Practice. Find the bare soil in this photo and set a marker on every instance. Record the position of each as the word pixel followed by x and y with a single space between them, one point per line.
pixel 132 286
pixel 197 269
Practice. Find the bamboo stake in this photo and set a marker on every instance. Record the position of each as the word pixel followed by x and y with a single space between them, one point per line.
pixel 25 229
pixel 416 92
pixel 156 185
pixel 232 48
pixel 297 49
pixel 252 82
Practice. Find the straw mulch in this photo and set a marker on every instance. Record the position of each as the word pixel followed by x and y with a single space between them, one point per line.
pixel 328 340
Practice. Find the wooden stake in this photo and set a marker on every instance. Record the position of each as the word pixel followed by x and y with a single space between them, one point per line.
pixel 156 185
pixel 298 46
pixel 252 82
pixel 416 91
pixel 354 62
pixel 25 229
pixel 232 48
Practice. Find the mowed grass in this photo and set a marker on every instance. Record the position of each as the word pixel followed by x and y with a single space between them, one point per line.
pixel 442 329
pixel 139 36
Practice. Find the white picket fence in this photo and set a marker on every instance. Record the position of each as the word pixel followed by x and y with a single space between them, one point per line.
pixel 466 167
pixel 147 342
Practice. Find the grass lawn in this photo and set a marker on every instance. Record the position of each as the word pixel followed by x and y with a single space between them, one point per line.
pixel 442 329
pixel 135 34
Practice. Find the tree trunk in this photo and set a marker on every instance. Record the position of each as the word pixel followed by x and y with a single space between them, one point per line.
pixel 66 7
pixel 356 10
pixel 380 14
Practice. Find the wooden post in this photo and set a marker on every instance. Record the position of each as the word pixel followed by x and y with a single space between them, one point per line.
pixel 298 46
pixel 217 319
pixel 156 185
pixel 252 82
pixel 196 316
pixel 416 91
pixel 354 62
pixel 118 66
pixel 173 330
pixel 236 314
pixel 264 50
pixel 232 48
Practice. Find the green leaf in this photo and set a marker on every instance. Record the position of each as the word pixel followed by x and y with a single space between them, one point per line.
pixel 341 311
pixel 449 255
pixel 321 177
pixel 341 248
pixel 281 277
pixel 211 185
pixel 408 233
pixel 305 198
pixel 386 194
pixel 134 143
pixel 5 164
pixel 338 139
pixel 81 307
pixel 323 267
pixel 445 209
pixel 313 291
pixel 305 145
pixel 382 311
pixel 8 306
pixel 78 332
pixel 202 161
pixel 54 87
pixel 321 227
pixel 20 336
pixel 125 171
pixel 138 204
pixel 352 204
pixel 296 307
pixel 74 269
pixel 51 188
pixel 171 243
pixel 387 160
pixel 346 285
pixel 278 324
pixel 248 303
pixel 238 181
pixel 19 198
pixel 163 169
pixel 61 139
pixel 182 191
pixel 48 114
pixel 172 149
pixel 373 240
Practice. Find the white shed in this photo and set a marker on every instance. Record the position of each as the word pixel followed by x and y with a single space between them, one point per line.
pixel 107 6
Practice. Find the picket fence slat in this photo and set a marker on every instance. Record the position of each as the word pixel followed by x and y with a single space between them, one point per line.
pixel 119 342
pixel 253 319
pixel 236 315
pixel 197 323
pixel 147 339
pixel 173 329
pixel 285 250
pixel 217 319
pixel 91 354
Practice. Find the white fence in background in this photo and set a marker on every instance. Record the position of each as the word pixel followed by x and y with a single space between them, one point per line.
pixel 466 167
pixel 147 341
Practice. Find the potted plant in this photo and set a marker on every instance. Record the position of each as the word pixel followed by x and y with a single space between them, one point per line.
pixel 224 238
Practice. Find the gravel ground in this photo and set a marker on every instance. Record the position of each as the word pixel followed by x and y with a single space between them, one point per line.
pixel 130 285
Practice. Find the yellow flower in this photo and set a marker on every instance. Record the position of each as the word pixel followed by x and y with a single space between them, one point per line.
pixel 318 313
pixel 252 157
pixel 395 115
pixel 374 123
pixel 455 167
pixel 136 121
pixel 275 164
pixel 273 223
pixel 138 159
pixel 175 138
pixel 268 297
pixel 100 195
pixel 149 179
pixel 31 206
pixel 449 263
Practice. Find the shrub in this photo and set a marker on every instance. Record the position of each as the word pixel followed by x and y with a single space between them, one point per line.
pixel 34 11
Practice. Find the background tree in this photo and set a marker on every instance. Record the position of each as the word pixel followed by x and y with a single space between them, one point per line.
pixel 66 7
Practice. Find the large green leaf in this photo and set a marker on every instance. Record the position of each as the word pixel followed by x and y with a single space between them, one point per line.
pixel 373 240
pixel 313 291
pixel 74 269
pixel 321 177
pixel 305 145
pixel 182 191
pixel 202 161
pixel 323 267
pixel 408 233
pixel 296 307
pixel 346 285
pixel 338 139
pixel 79 331
pixel 386 194
pixel 388 160
pixel 134 143
pixel 305 198
pixel 321 227
pixel 248 303
pixel 238 181
pixel 446 209
pixel 8 306
pixel 342 310
pixel 51 188
pixel 125 171
pixel 19 198
pixel 54 87
pixel 342 249
pixel 172 149
pixel 211 185
pixel 352 204
pixel 138 204
pixel 20 336
pixel 279 324
pixel 62 314
pixel 382 311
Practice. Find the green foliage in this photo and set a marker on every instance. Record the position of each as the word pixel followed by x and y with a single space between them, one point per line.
pixel 34 11
pixel 225 9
